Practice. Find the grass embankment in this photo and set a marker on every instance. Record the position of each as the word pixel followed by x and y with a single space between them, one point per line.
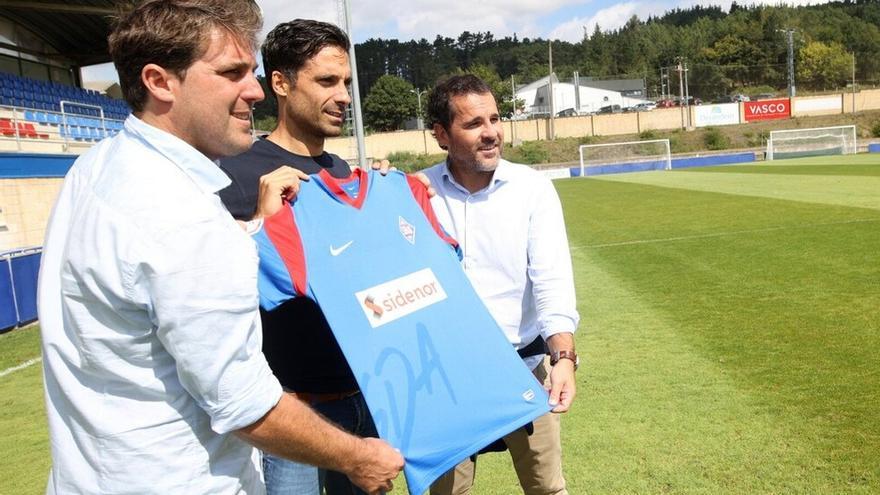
pixel 743 136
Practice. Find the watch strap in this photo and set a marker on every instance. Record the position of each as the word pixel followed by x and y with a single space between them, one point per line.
pixel 555 356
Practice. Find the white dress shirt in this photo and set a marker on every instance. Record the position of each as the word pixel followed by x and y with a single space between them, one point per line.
pixel 515 250
pixel 151 333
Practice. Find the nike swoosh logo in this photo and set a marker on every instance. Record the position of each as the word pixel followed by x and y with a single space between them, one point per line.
pixel 337 251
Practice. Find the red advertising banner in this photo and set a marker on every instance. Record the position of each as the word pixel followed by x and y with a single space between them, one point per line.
pixel 767 109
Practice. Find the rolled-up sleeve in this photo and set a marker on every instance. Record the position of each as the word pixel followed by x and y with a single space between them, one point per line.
pixel 549 264
pixel 203 291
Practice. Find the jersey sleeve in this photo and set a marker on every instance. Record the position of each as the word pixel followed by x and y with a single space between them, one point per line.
pixel 420 194
pixel 282 274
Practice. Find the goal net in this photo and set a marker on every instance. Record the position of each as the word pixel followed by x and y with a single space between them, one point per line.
pixel 631 156
pixel 794 143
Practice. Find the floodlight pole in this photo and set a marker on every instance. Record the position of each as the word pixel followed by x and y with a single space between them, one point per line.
pixel 680 91
pixel 853 82
pixel 687 96
pixel 355 92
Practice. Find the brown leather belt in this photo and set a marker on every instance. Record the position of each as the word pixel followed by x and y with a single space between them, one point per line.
pixel 317 398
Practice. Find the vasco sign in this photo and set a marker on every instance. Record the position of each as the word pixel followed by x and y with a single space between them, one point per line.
pixel 767 109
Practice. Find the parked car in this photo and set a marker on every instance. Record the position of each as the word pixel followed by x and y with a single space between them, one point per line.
pixel 610 109
pixel 568 112
pixel 645 107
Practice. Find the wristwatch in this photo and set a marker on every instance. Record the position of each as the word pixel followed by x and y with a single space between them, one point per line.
pixel 555 356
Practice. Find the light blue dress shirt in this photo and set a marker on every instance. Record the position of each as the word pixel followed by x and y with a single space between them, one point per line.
pixel 514 247
pixel 151 333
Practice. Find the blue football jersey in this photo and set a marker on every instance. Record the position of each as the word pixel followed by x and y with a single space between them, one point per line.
pixel 439 376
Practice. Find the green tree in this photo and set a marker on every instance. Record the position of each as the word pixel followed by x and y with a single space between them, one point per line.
pixel 390 102
pixel 502 90
pixel 267 109
pixel 823 66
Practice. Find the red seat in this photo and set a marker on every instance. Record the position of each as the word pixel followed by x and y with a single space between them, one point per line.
pixel 31 131
pixel 27 130
pixel 6 127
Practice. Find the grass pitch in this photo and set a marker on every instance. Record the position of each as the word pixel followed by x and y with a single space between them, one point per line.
pixel 730 329
pixel 730 334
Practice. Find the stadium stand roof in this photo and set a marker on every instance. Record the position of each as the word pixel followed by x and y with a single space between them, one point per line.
pixel 77 29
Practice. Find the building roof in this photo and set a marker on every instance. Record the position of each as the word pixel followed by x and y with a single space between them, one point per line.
pixel 77 29
pixel 614 84
pixel 537 84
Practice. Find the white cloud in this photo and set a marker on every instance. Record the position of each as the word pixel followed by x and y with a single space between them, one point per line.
pixel 414 19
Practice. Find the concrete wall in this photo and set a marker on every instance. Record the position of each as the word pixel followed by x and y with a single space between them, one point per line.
pixel 661 119
pixel 26 205
pixel 380 145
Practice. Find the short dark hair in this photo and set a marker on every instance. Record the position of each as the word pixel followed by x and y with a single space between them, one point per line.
pixel 173 34
pixel 439 111
pixel 291 44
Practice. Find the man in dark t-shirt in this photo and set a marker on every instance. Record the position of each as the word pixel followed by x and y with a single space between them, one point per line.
pixel 264 157
pixel 306 64
pixel 297 342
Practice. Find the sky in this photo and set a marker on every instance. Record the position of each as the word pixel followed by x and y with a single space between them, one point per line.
pixel 405 20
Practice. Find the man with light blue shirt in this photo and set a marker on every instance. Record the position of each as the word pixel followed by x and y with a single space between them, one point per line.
pixel 508 221
pixel 151 336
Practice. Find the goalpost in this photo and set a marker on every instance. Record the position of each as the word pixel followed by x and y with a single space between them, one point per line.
pixel 630 156
pixel 794 143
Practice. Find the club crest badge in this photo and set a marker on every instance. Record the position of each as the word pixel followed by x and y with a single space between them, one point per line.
pixel 407 230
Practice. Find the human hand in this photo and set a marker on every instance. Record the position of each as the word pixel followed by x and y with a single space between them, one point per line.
pixel 562 385
pixel 275 187
pixel 383 166
pixel 377 466
pixel 419 176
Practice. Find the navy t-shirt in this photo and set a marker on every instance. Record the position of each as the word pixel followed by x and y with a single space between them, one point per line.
pixel 297 341
pixel 265 156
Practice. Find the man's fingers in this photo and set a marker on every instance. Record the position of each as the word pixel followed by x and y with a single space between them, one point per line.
pixel 554 395
pixel 383 166
pixel 421 177
pixel 562 386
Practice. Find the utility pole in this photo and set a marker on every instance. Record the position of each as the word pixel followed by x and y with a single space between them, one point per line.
pixel 664 83
pixel 420 122
pixel 552 135
pixel 355 92
pixel 792 92
pixel 513 115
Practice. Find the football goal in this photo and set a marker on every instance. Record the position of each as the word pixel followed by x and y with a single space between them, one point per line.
pixel 795 143
pixel 631 156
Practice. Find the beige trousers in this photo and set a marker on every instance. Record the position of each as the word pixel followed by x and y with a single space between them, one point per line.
pixel 537 458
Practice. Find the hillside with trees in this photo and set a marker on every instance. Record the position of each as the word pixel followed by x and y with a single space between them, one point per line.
pixel 743 49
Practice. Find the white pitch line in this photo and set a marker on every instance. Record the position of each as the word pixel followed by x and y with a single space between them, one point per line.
pixel 26 364
pixel 723 234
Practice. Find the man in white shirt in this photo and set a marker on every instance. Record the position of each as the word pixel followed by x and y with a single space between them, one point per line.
pixel 151 337
pixel 508 221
